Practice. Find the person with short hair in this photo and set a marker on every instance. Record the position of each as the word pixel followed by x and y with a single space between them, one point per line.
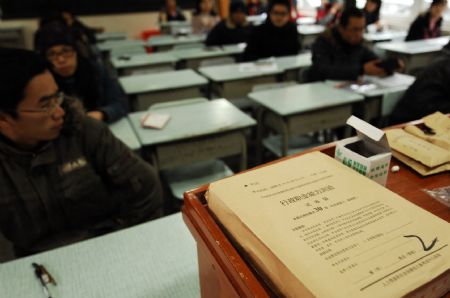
pixel 65 177
pixel 339 53
pixel 235 29
pixel 171 12
pixel 102 97
pixel 204 17
pixel 428 24
pixel 372 12
pixel 277 37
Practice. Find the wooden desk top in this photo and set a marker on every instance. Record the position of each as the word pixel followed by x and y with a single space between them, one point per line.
pixel 246 282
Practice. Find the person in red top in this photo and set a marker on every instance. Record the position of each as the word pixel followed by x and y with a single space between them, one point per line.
pixel 428 24
pixel 329 12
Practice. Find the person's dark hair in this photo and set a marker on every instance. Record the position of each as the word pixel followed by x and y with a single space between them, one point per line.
pixel 438 2
pixel 199 11
pixel 378 3
pixel 237 5
pixel 52 35
pixel 272 3
pixel 18 67
pixel 348 13
pixel 51 17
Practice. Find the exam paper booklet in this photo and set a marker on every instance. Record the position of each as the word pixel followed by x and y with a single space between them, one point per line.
pixel 315 228
pixel 424 148
pixel 155 120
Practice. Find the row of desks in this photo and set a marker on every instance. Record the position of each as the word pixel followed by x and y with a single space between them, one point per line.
pixel 289 111
pixel 230 80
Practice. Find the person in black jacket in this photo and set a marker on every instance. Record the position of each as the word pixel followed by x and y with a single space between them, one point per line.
pixel 276 37
pixel 339 53
pixel 101 96
pixel 428 24
pixel 429 93
pixel 171 12
pixel 235 29
pixel 372 12
pixel 65 177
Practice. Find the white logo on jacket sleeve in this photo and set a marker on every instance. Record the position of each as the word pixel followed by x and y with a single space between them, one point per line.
pixel 73 165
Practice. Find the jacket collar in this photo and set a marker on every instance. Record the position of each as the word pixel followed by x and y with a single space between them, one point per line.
pixel 44 154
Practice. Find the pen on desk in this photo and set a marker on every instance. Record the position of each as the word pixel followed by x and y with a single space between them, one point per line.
pixel 44 278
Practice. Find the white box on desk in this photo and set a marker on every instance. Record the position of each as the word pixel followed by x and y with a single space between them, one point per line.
pixel 367 153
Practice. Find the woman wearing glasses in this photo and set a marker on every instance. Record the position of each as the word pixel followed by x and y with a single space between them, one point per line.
pixel 276 37
pixel 100 95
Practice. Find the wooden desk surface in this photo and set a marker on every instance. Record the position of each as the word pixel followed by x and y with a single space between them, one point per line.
pixel 236 276
pixel 303 98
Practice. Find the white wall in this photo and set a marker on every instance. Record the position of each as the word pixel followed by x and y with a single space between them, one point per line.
pixel 131 23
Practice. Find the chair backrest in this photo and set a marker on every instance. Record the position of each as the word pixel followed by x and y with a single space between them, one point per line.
pixel 389 102
pixel 217 61
pixel 195 45
pixel 269 86
pixel 167 104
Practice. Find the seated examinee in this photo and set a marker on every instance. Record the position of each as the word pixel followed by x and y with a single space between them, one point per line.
pixel 276 37
pixel 84 37
pixel 204 17
pixel 255 7
pixel 372 12
pixel 428 24
pixel 171 12
pixel 339 53
pixel 65 177
pixel 235 29
pixel 429 93
pixel 328 12
pixel 101 96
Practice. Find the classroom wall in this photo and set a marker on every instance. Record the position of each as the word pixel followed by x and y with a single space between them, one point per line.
pixel 131 23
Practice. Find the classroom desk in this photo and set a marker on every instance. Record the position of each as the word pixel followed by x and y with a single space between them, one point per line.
pixel 301 109
pixel 192 58
pixel 222 266
pixel 380 94
pixel 417 53
pixel 108 36
pixel 386 35
pixel 175 27
pixel 155 259
pixel 122 130
pixel 236 81
pixel 115 44
pixel 12 36
pixel 257 20
pixel 195 132
pixel 309 33
pixel 145 90
pixel 167 42
pixel 127 65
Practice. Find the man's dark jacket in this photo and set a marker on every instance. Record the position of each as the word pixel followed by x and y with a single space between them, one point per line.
pixel 335 59
pixel 82 184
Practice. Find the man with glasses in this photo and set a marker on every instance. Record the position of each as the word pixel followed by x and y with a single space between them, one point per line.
pixel 276 37
pixel 339 53
pixel 64 176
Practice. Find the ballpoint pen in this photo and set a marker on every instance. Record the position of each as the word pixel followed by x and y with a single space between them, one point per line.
pixel 44 278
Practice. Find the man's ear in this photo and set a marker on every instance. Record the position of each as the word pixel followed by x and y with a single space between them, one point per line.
pixel 5 122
